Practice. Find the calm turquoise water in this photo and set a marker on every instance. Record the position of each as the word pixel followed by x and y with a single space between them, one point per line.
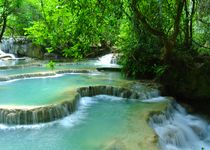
pixel 98 121
pixel 44 69
pixel 23 70
pixel 39 91
pixel 90 64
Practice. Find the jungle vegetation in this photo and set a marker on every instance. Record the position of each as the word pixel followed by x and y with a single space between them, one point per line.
pixel 152 35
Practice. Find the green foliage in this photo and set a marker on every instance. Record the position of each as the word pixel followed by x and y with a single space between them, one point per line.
pixel 24 17
pixel 159 70
pixel 73 27
pixel 8 9
pixel 204 51
pixel 51 65
pixel 49 49
pixel 139 48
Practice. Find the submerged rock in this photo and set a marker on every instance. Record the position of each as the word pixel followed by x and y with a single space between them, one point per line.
pixel 115 145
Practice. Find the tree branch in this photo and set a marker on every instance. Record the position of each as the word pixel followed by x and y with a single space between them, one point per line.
pixel 200 45
pixel 178 19
pixel 204 22
pixel 144 22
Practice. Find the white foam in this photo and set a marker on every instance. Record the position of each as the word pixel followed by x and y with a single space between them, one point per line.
pixel 82 111
pixel 70 121
pixel 33 127
pixel 80 114
pixel 30 78
pixel 178 130
pixel 109 98
pixel 155 99
pixel 107 60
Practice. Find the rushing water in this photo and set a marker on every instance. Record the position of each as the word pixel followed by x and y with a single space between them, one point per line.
pixel 98 122
pixel 179 130
pixel 109 60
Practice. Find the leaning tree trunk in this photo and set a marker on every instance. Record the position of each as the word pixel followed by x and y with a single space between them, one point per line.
pixel 3 28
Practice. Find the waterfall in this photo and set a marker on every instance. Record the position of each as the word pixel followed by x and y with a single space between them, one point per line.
pixel 6 56
pixel 178 130
pixel 7 45
pixel 20 46
pixel 13 45
pixel 108 60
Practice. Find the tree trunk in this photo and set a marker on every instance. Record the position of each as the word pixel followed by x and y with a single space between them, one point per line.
pixel 191 22
pixel 3 27
pixel 186 36
pixel 168 48
pixel 169 41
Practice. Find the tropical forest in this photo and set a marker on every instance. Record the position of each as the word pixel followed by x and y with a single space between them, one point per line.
pixel 105 74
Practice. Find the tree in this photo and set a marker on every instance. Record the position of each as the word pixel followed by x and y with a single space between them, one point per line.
pixel 168 35
pixel 27 13
pixel 7 8
pixel 189 8
pixel 202 27
pixel 72 27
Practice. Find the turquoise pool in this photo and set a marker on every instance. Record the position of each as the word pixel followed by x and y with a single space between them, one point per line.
pixel 41 91
pixel 101 122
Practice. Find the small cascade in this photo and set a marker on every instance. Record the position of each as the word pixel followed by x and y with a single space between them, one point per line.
pixel 178 130
pixel 108 60
pixel 112 91
pixel 20 46
pixel 118 91
pixel 12 45
pixel 6 56
pixel 7 45
pixel 43 114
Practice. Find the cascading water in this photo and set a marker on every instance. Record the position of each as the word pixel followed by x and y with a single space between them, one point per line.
pixel 7 45
pixel 178 130
pixel 20 46
pixel 6 58
pixel 4 55
pixel 108 60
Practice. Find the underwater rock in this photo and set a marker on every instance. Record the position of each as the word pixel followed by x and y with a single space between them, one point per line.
pixel 115 145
